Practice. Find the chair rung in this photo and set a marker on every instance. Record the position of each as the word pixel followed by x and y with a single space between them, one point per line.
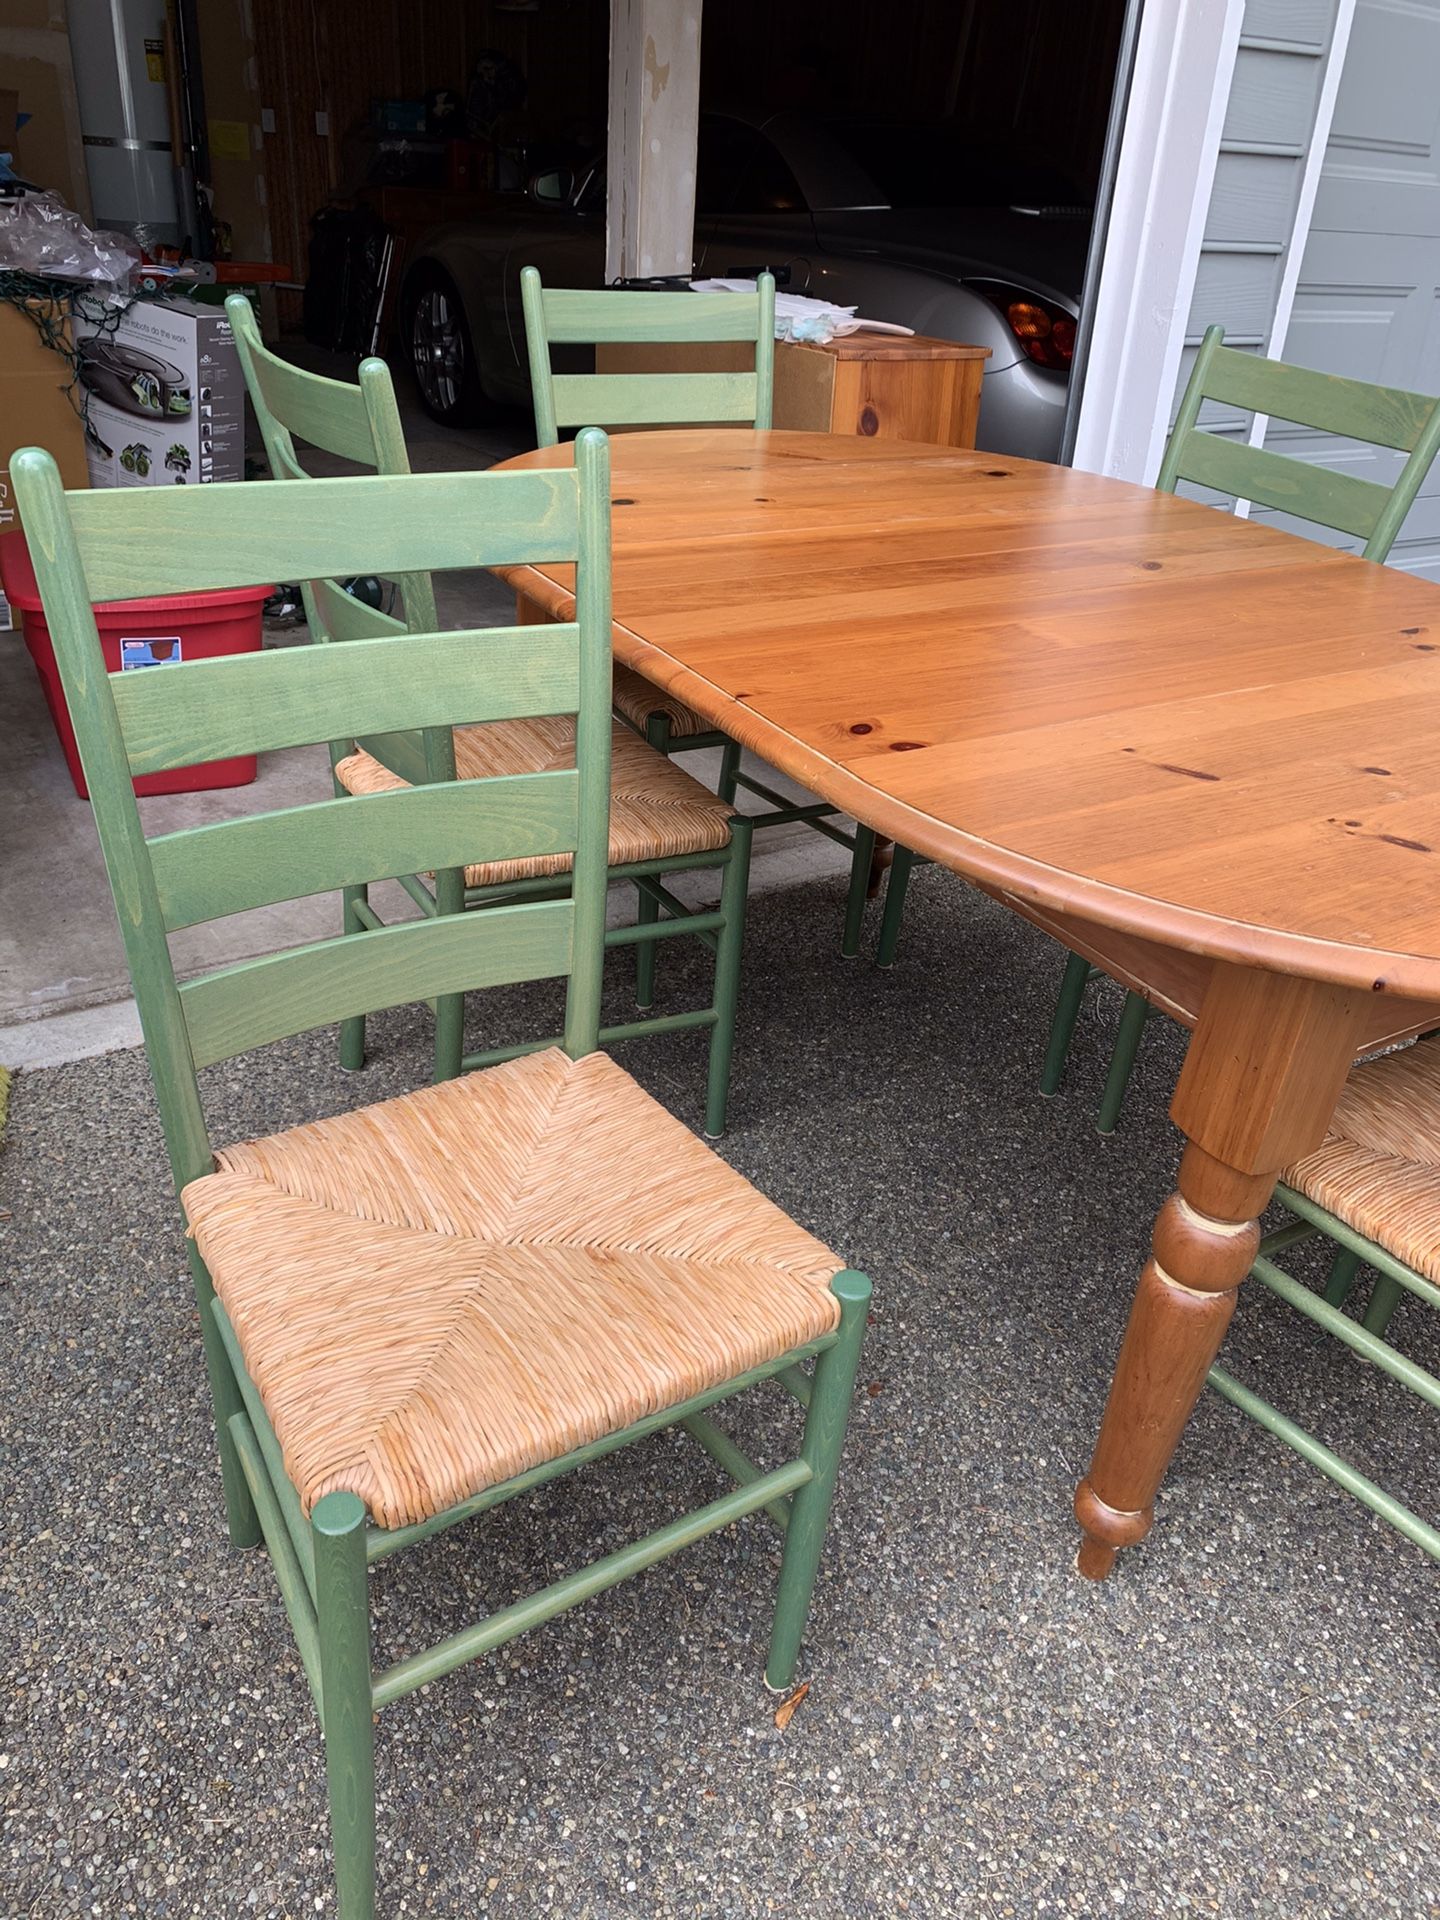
pixel 1288 1236
pixel 1330 1463
pixel 695 924
pixel 1369 1346
pixel 629 1030
pixel 533 1611
pixel 662 1023
pixel 736 1462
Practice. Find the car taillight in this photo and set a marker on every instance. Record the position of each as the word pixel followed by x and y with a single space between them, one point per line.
pixel 1046 334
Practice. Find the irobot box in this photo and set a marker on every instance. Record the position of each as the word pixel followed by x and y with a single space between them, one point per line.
pixel 164 396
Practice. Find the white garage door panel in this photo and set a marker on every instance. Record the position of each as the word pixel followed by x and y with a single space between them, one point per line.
pixel 1237 289
pixel 1304 21
pixel 1253 198
pixel 1368 300
pixel 1366 332
pixel 1272 98
pixel 1381 168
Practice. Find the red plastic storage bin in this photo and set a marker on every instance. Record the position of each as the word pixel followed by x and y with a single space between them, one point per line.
pixel 188 626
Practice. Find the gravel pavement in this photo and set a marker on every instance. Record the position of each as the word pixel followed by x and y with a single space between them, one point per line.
pixel 1240 1722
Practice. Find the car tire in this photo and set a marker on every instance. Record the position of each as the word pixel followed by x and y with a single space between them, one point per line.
pixel 440 350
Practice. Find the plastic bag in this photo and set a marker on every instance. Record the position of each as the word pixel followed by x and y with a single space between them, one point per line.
pixel 39 234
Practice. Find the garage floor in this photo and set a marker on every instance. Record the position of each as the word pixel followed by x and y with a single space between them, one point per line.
pixel 64 991
pixel 1240 1723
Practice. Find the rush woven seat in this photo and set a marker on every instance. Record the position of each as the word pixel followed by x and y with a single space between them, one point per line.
pixel 417 1287
pixel 639 700
pixel 656 809
pixel 1379 1169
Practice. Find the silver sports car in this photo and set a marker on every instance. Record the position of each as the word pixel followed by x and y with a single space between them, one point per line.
pixel 905 223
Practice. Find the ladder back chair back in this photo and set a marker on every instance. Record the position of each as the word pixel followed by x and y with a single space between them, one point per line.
pixel 132 543
pixel 661 821
pixel 1409 423
pixel 357 422
pixel 562 316
pixel 595 1312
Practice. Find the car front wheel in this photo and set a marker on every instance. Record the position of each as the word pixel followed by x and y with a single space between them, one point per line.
pixel 442 353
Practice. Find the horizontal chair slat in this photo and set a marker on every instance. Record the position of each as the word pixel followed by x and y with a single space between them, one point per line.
pixel 328 413
pixel 1386 416
pixel 155 540
pixel 636 399
pixel 268 999
pixel 1329 499
pixel 582 317
pixel 206 872
pixel 256 702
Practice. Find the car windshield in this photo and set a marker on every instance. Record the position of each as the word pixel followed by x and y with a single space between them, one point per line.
pixel 920 166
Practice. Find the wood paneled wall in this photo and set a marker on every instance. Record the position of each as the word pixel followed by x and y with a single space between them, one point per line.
pixel 336 56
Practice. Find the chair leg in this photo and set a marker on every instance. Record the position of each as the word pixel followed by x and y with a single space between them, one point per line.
pixel 728 946
pixel 1383 1302
pixel 241 1519
pixel 895 890
pixel 824 1441
pixel 1122 1060
pixel 1344 1270
pixel 1062 1026
pixel 859 890
pixel 729 767
pixel 647 912
pixel 342 1613
pixel 657 733
pixel 449 1036
pixel 352 1032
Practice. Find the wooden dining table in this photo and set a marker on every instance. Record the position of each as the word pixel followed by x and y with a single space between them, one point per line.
pixel 1194 748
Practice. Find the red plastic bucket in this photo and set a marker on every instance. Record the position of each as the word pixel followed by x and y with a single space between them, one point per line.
pixel 136 634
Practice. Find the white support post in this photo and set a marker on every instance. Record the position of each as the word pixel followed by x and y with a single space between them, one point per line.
pixel 654 114
pixel 1179 90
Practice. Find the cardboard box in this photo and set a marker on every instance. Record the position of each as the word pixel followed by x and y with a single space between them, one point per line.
pixel 166 400
pixel 35 410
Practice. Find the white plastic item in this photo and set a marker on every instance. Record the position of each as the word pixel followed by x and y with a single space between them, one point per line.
pixel 39 234
pixel 797 317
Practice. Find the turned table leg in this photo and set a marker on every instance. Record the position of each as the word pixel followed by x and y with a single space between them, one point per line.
pixel 1265 1067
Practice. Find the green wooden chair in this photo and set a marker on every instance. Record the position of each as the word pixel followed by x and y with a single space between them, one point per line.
pixel 1374 514
pixel 414 1311
pixel 662 821
pixel 1369 1191
pixel 561 316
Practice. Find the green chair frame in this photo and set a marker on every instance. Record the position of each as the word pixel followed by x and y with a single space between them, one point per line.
pixel 362 423
pixel 1366 1337
pixel 116 545
pixel 563 316
pixel 1352 409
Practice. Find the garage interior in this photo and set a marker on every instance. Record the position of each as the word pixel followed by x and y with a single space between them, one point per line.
pixel 325 141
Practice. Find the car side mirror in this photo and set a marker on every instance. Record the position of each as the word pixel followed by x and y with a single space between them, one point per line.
pixel 553 189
